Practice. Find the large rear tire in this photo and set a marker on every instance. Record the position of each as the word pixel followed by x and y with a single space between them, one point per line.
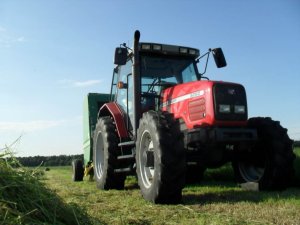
pixel 270 161
pixel 160 158
pixel 105 155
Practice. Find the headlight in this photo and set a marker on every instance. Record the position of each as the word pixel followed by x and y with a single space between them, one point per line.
pixel 240 109
pixel 224 108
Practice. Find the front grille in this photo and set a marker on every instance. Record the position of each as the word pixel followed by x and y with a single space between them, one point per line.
pixel 197 109
pixel 232 95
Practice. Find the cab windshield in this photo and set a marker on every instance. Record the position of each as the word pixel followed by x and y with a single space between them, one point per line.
pixel 158 71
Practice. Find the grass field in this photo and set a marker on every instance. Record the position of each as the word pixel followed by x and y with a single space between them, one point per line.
pixel 217 200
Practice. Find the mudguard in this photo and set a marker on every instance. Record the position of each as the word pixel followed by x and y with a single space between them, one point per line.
pixel 112 109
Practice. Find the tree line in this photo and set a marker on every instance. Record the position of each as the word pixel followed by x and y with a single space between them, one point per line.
pixel 64 160
pixel 61 160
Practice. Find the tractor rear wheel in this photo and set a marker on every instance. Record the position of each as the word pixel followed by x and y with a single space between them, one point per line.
pixel 77 167
pixel 160 158
pixel 270 161
pixel 105 152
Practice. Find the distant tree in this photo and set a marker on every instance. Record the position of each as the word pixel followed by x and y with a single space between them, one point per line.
pixel 61 160
pixel 297 143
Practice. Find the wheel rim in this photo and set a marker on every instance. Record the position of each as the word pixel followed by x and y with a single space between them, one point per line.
pixel 99 156
pixel 251 172
pixel 146 159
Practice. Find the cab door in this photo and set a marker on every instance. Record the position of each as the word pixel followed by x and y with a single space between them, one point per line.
pixel 124 96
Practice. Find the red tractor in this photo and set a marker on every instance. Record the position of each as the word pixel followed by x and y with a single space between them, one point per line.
pixel 167 123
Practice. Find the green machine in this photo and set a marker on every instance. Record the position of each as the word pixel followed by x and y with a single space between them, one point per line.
pixel 91 105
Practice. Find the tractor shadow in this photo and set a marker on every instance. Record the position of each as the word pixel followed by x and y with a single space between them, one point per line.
pixel 236 196
pixel 218 186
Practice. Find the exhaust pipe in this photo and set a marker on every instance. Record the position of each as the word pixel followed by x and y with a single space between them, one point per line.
pixel 136 83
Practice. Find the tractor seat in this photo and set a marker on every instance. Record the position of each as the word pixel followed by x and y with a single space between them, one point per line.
pixel 148 101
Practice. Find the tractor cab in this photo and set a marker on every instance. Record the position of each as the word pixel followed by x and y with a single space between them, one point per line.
pixel 160 67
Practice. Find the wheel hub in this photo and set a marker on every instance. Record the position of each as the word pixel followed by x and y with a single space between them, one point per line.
pixel 99 156
pixel 251 172
pixel 147 158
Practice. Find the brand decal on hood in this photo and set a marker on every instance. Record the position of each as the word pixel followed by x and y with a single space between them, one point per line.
pixel 183 98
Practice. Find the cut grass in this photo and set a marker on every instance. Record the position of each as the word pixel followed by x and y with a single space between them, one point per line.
pixel 217 200
pixel 25 200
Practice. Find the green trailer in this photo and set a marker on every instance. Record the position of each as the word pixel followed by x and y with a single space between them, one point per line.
pixel 91 105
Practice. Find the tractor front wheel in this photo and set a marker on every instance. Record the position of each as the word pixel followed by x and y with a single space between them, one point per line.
pixel 105 150
pixel 270 161
pixel 160 158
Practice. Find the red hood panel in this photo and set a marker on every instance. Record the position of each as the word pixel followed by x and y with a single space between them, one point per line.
pixel 193 102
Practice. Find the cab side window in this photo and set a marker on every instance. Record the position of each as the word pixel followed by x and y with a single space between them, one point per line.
pixel 125 95
pixel 114 83
pixel 124 73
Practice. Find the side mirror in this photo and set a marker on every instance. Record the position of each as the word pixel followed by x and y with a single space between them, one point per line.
pixel 219 57
pixel 120 56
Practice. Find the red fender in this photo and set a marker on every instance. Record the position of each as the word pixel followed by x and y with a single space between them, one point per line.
pixel 112 109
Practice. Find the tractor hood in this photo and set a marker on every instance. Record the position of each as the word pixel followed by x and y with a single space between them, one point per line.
pixel 207 103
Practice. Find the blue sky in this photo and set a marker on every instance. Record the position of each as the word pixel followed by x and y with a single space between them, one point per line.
pixel 52 53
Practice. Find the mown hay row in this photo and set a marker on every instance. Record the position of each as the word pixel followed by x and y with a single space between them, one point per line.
pixel 25 200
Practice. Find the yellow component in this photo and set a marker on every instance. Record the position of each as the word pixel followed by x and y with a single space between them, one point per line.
pixel 89 170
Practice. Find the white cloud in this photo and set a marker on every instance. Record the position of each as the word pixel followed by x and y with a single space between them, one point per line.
pixel 79 84
pixel 29 126
pixel 20 39
pixel 86 83
pixel 7 39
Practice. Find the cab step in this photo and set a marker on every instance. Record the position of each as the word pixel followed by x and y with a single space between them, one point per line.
pixel 126 157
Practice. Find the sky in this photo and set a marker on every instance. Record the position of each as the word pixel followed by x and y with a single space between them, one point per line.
pixel 52 53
